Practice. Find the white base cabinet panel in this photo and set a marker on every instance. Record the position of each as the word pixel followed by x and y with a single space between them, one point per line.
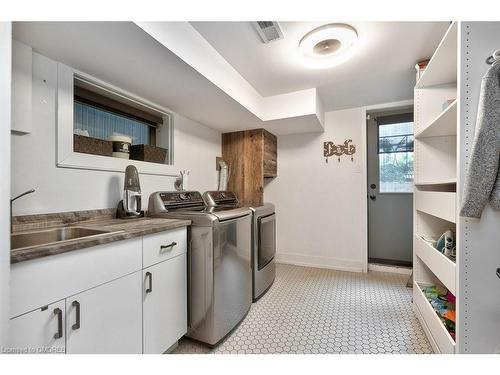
pixel 164 304
pixel 41 331
pixel 110 318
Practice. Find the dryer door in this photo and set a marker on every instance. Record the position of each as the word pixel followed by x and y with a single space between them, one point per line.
pixel 266 240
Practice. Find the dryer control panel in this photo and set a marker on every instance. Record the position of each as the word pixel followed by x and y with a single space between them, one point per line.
pixel 220 198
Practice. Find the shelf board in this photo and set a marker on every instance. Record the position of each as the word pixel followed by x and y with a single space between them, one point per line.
pixel 431 322
pixel 437 203
pixel 440 265
pixel 443 125
pixel 442 67
pixel 450 181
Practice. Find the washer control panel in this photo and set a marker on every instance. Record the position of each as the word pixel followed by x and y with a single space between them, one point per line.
pixel 168 198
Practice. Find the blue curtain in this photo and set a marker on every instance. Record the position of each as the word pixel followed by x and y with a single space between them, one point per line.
pixel 102 124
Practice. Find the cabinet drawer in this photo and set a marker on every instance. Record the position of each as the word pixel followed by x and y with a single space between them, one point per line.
pixel 34 283
pixel 162 246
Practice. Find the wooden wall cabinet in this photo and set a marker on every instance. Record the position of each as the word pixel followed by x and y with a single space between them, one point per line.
pixel 252 156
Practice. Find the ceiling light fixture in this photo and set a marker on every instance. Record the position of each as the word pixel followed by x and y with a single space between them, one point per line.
pixel 328 45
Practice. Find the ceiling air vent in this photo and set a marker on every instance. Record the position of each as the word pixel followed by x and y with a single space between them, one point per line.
pixel 269 31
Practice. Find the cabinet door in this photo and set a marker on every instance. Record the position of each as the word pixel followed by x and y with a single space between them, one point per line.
pixel 39 331
pixel 164 304
pixel 22 78
pixel 106 319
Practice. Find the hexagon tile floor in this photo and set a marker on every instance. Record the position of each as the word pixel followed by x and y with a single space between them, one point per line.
pixel 312 310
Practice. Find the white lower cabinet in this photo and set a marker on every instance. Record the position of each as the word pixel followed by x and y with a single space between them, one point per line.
pixel 164 304
pixel 107 301
pixel 106 319
pixel 40 331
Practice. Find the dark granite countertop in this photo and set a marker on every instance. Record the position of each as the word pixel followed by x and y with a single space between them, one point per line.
pixel 102 220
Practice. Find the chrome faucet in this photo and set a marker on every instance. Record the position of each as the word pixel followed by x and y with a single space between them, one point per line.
pixel 16 198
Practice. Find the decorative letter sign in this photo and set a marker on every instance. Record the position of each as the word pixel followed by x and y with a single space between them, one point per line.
pixel 331 149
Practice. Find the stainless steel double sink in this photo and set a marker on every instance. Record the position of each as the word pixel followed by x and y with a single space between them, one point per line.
pixel 54 236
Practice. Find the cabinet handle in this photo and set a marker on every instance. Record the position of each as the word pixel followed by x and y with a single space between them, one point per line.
pixel 169 246
pixel 77 323
pixel 59 333
pixel 149 275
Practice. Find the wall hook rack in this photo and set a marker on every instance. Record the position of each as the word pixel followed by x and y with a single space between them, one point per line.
pixel 331 149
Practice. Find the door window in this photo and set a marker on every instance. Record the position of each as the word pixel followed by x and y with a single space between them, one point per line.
pixel 395 157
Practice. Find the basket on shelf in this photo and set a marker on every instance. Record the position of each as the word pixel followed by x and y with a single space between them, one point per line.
pixel 148 153
pixel 89 145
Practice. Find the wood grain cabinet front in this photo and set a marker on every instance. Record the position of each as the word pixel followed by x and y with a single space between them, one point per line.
pixel 252 156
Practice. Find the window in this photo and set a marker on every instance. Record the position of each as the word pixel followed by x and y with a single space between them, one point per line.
pixel 395 149
pixel 102 116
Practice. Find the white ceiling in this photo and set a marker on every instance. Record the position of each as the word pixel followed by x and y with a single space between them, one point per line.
pixel 123 55
pixel 380 71
pixel 126 56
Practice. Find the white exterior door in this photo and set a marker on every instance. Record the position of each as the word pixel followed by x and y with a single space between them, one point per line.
pixel 39 331
pixel 390 187
pixel 164 304
pixel 106 319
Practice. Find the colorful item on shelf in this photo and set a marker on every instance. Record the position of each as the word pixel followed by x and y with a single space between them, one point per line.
pixel 450 297
pixel 451 315
pixel 443 303
pixel 420 67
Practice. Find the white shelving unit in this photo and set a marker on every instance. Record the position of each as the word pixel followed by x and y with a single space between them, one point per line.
pixel 478 286
pixel 450 181
pixel 444 124
pixel 443 267
pixel 435 198
pixel 437 203
pixel 442 67
pixel 444 136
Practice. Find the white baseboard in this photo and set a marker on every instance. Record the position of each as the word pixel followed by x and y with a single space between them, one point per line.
pixel 391 269
pixel 319 262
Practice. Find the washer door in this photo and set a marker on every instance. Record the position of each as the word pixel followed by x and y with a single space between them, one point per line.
pixel 266 240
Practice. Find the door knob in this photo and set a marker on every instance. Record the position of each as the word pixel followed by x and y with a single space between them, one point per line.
pixel 373 186
pixel 373 197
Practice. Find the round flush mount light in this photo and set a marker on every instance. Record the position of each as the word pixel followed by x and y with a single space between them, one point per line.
pixel 328 45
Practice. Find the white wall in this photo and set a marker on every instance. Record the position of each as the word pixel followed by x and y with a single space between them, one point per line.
pixel 5 80
pixel 321 207
pixel 62 189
